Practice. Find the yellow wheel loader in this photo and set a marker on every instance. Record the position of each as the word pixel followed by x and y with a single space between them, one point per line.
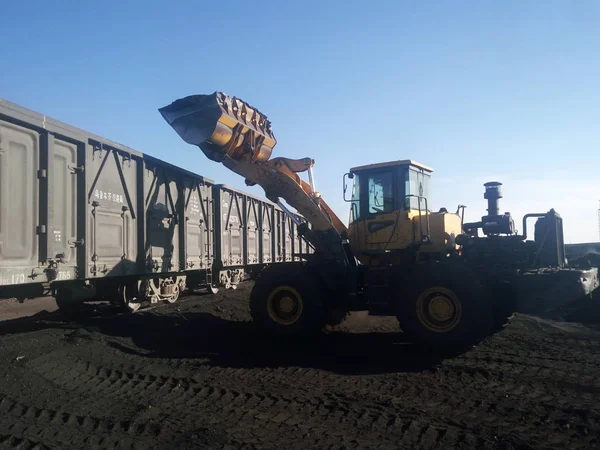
pixel 449 283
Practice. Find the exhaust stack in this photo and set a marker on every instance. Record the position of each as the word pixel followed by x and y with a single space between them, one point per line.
pixel 222 126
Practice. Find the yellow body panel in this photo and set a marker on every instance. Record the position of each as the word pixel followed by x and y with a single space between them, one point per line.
pixel 404 229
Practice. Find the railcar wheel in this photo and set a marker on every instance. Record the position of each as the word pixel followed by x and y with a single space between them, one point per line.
pixel 176 293
pixel 128 297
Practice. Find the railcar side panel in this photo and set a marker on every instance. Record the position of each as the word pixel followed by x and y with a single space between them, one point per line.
pixel 19 197
pixel 112 211
pixel 252 230
pixel 268 232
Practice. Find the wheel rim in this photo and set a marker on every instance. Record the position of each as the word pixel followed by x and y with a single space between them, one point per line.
pixel 285 305
pixel 128 299
pixel 439 309
pixel 176 293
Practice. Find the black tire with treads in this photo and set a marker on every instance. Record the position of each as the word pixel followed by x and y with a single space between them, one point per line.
pixel 476 315
pixel 313 296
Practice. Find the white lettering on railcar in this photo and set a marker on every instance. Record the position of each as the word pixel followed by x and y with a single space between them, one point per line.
pixel 14 278
pixel 63 275
pixel 194 205
pixel 110 196
pixel 18 278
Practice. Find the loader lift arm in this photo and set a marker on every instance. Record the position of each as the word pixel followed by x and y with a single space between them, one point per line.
pixel 233 133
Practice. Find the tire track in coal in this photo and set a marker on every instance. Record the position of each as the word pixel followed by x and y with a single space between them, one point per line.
pixel 190 393
pixel 109 381
pixel 506 369
pixel 505 375
pixel 58 425
pixel 583 383
pixel 587 361
pixel 471 406
pixel 453 400
pixel 295 412
pixel 553 349
pixel 11 441
pixel 291 418
pixel 184 365
pixel 591 362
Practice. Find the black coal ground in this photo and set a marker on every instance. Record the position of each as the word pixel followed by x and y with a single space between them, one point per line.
pixel 195 374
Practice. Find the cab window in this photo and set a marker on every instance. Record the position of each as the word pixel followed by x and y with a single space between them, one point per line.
pixel 417 184
pixel 380 193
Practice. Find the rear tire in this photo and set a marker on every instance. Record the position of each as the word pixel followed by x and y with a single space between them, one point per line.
pixel 446 308
pixel 288 300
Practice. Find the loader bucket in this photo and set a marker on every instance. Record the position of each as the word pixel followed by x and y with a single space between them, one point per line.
pixel 221 126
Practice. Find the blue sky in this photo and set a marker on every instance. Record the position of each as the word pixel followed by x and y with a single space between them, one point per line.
pixel 479 90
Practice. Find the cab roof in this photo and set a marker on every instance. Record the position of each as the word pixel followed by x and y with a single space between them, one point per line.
pixel 403 162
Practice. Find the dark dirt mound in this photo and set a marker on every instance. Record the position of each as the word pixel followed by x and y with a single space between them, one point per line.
pixel 196 375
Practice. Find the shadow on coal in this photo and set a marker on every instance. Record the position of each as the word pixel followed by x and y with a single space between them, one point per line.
pixel 226 343
pixel 238 344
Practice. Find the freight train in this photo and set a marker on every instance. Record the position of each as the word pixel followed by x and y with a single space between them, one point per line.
pixel 86 218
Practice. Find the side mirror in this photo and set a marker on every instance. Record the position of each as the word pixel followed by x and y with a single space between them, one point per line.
pixel 351 177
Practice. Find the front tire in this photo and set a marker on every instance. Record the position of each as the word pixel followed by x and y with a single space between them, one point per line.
pixel 288 300
pixel 445 307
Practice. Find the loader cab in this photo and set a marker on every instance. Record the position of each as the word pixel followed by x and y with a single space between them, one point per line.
pixel 381 189
pixel 390 215
pixel 389 210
